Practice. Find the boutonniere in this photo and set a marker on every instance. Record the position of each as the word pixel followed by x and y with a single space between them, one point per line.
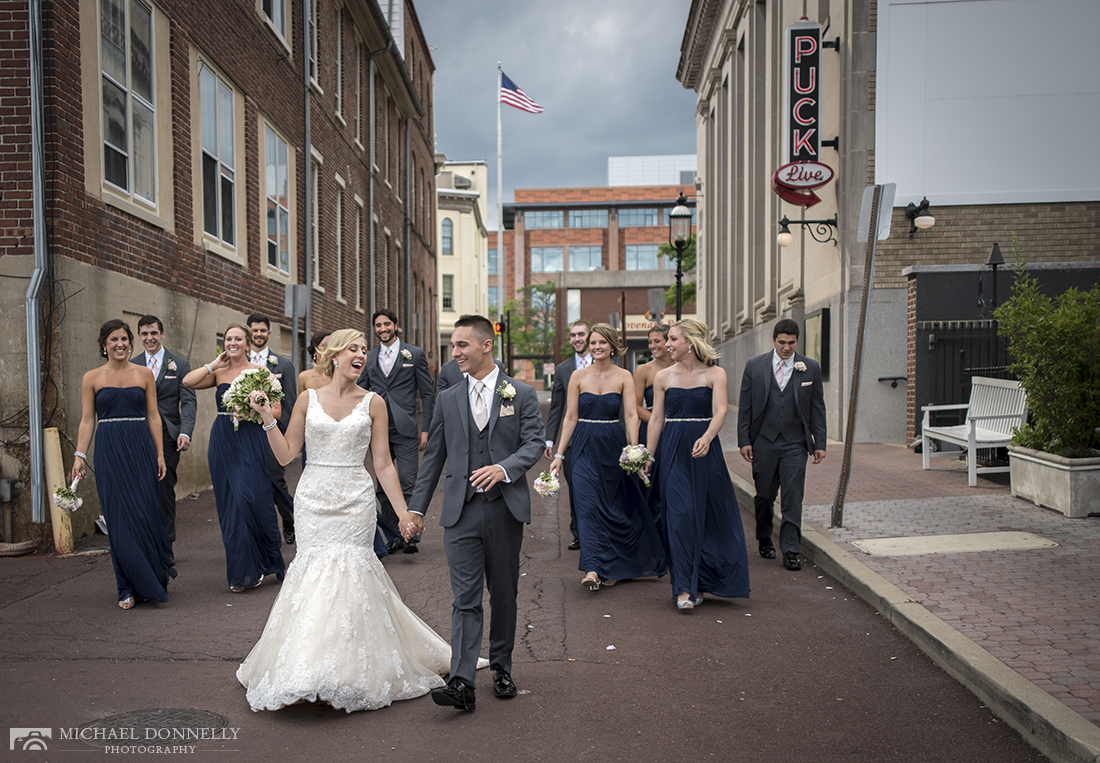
pixel 506 391
pixel 799 366
pixel 406 355
pixel 272 360
pixel 171 365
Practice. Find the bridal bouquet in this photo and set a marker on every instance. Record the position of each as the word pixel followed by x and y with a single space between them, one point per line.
pixel 251 380
pixel 65 497
pixel 633 460
pixel 547 485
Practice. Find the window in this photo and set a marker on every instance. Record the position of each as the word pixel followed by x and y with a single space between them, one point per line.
pixel 129 115
pixel 358 253
pixel 338 234
pixel 338 60
pixel 629 218
pixel 572 305
pixel 547 259
pixel 218 161
pixel 448 292
pixel 641 257
pixel 315 179
pixel 311 30
pixel 448 234
pixel 276 177
pixel 543 219
pixel 494 300
pixel 588 218
pixel 493 262
pixel 585 257
pixel 358 116
pixel 276 11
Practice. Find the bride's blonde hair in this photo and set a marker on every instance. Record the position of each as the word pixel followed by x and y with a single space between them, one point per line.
pixel 337 343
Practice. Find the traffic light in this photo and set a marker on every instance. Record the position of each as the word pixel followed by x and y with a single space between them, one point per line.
pixel 498 327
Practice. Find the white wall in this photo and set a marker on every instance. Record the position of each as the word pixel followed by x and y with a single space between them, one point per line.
pixel 987 101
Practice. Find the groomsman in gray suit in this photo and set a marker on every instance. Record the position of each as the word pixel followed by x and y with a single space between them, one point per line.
pixel 283 370
pixel 399 373
pixel 578 337
pixel 781 419
pixel 488 432
pixel 176 404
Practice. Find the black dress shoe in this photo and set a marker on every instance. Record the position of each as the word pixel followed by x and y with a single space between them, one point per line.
pixel 457 693
pixel 767 550
pixel 395 545
pixel 411 547
pixel 575 545
pixel 790 561
pixel 288 535
pixel 503 685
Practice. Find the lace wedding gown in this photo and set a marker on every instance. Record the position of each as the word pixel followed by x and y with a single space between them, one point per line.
pixel 338 631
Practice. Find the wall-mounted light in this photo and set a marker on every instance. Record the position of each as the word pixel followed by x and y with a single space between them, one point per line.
pixel 919 216
pixel 821 231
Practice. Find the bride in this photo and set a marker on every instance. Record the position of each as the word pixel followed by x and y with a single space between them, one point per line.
pixel 338 631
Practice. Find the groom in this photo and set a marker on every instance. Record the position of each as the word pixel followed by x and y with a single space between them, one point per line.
pixel 488 431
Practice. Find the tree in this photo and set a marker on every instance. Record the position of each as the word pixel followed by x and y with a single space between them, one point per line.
pixel 533 319
pixel 688 266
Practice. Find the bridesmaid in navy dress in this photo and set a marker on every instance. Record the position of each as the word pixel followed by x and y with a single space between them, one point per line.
pixel 618 536
pixel 643 391
pixel 129 461
pixel 239 470
pixel 705 538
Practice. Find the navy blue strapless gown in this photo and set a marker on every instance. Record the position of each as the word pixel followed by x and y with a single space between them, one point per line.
pixel 243 489
pixel 618 537
pixel 126 480
pixel 705 538
pixel 643 427
pixel 653 492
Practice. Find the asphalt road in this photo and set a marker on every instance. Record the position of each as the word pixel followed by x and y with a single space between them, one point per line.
pixel 801 671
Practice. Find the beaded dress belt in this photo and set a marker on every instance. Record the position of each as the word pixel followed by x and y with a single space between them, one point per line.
pixel 133 418
pixel 708 419
pixel 599 421
pixel 226 413
pixel 337 466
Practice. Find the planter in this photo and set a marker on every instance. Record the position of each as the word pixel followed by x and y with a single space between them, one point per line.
pixel 1067 485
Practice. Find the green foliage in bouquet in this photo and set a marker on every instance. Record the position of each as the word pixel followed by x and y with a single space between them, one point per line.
pixel 250 380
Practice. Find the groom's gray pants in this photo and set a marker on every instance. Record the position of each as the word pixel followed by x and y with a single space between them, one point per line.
pixel 483 545
pixel 779 467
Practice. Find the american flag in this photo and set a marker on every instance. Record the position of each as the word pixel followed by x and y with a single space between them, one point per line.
pixel 511 94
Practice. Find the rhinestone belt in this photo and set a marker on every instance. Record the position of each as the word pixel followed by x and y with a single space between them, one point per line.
pixel 708 419
pixel 599 421
pixel 133 418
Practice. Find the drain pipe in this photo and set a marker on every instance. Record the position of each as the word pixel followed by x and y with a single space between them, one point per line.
pixel 410 184
pixel 371 176
pixel 41 265
pixel 308 195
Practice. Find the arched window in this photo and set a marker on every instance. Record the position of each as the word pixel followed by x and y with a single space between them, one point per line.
pixel 448 233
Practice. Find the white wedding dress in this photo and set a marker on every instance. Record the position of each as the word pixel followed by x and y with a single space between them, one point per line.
pixel 338 631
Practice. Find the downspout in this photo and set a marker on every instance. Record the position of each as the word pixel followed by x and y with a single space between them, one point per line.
pixel 370 171
pixel 409 207
pixel 308 195
pixel 41 264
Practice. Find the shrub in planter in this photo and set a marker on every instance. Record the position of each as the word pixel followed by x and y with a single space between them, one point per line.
pixel 1055 349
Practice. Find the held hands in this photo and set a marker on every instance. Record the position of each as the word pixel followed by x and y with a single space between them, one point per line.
pixel 411 524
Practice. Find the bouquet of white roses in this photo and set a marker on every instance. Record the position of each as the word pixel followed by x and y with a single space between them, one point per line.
pixel 65 497
pixel 547 485
pixel 251 380
pixel 633 459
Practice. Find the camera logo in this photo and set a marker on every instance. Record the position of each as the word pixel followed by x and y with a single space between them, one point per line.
pixel 30 739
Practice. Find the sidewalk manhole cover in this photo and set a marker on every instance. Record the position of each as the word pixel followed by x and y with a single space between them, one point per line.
pixel 157 726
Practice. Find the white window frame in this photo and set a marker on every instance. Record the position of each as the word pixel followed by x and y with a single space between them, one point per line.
pixel 281 202
pixel 447 286
pixel 226 172
pixel 338 60
pixel 317 161
pixel 359 205
pixel 447 237
pixel 338 233
pixel 311 30
pixel 358 116
pixel 278 21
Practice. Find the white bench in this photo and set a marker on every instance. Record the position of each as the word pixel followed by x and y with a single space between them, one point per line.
pixel 995 407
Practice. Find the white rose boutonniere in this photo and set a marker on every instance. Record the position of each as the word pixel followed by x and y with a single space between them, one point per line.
pixel 406 354
pixel 272 360
pixel 506 391
pixel 171 365
pixel 799 366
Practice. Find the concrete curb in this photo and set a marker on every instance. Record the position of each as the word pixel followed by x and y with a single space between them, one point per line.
pixel 1046 724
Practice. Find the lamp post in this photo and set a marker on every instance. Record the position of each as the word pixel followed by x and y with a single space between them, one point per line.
pixel 679 230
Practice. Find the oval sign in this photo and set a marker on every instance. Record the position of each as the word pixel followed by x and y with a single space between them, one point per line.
pixel 803 175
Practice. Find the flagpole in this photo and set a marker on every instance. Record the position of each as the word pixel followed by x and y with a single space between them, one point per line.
pixel 501 283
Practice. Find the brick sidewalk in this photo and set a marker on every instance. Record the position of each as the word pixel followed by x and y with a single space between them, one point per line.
pixel 1038 611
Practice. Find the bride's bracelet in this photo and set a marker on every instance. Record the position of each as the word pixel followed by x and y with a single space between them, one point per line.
pixel 269 427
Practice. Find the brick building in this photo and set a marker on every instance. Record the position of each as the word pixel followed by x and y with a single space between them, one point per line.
pixel 182 139
pixel 598 245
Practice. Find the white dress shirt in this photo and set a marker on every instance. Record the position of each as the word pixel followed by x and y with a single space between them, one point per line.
pixel 582 361
pixel 260 358
pixel 159 356
pixel 788 368
pixel 394 348
pixel 487 391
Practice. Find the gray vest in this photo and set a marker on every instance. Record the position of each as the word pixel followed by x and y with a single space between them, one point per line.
pixel 479 457
pixel 781 414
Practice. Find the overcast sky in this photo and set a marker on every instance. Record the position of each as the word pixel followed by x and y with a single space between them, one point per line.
pixel 603 70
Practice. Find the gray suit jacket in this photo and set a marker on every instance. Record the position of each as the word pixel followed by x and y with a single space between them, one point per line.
pixel 408 379
pixel 284 371
pixel 559 395
pixel 175 402
pixel 450 375
pixel 757 382
pixel 515 443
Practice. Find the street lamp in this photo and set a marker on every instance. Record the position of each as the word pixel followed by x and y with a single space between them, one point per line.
pixel 679 231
